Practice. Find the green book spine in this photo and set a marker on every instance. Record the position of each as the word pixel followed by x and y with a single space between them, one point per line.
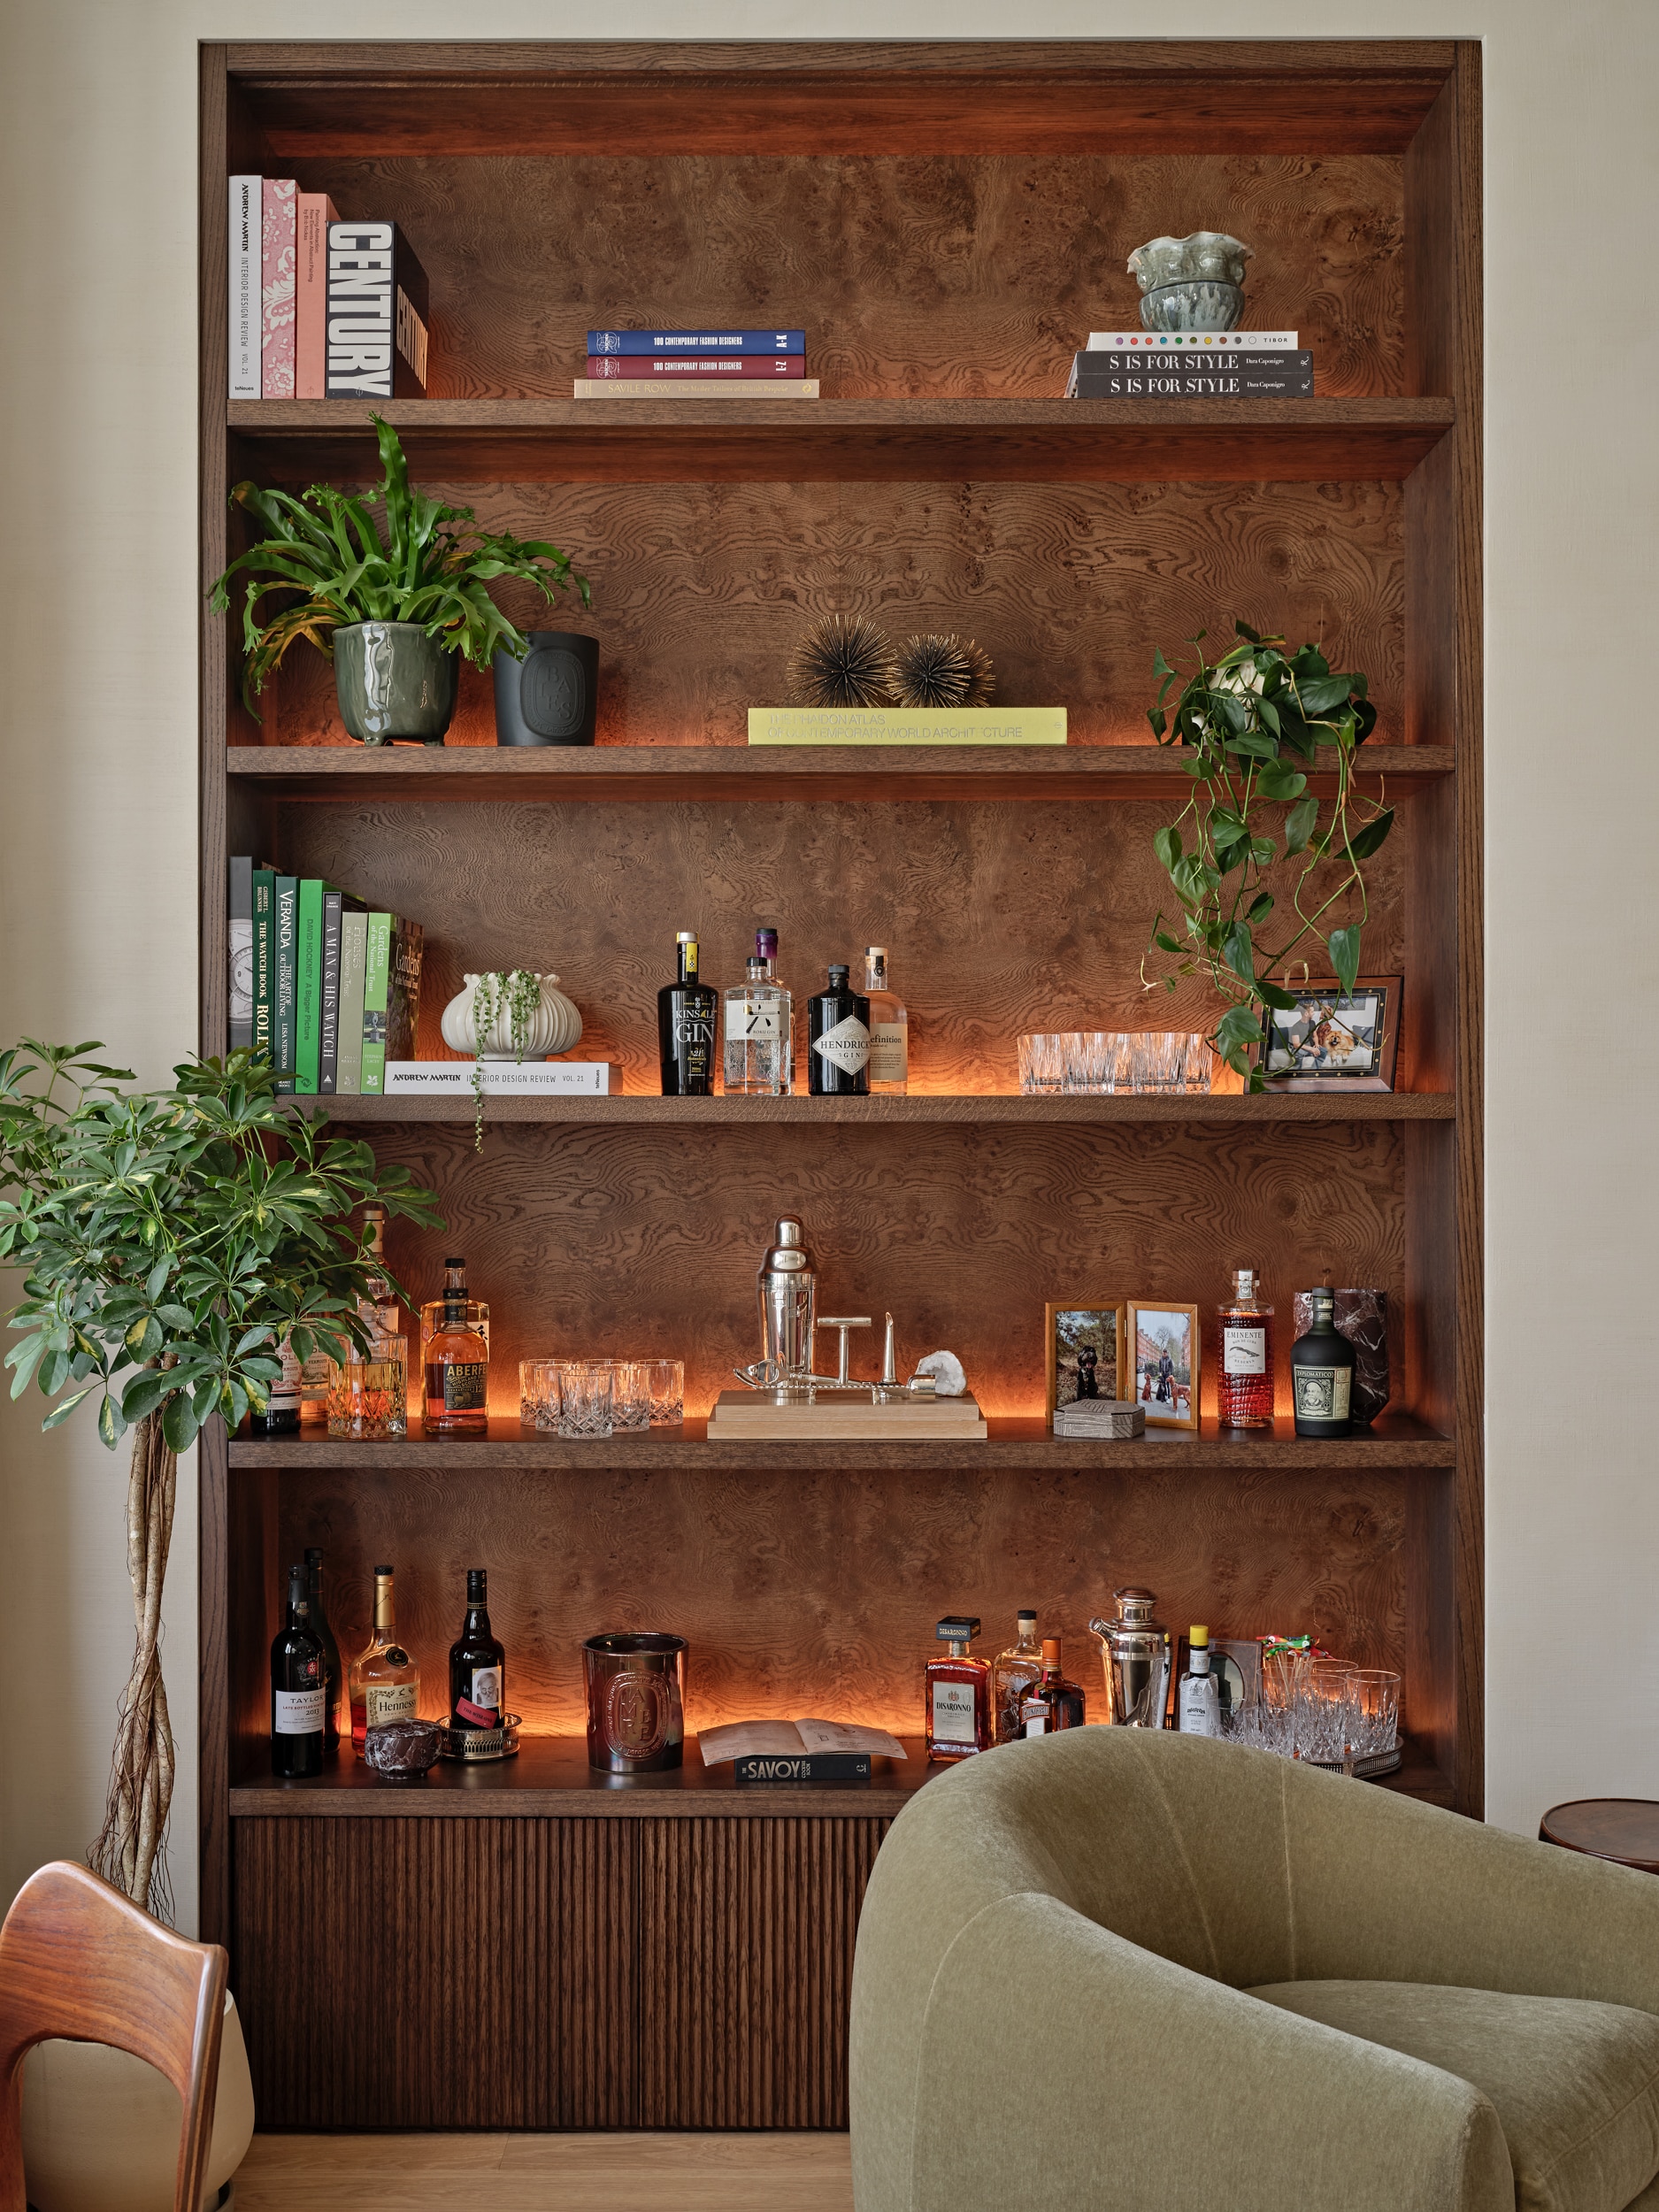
pixel 377 968
pixel 308 995
pixel 264 961
pixel 354 930
pixel 288 921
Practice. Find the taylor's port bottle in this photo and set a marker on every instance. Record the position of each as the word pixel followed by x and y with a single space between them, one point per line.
pixel 297 1688
pixel 1321 1372
pixel 477 1662
pixel 457 1365
pixel 333 1674
pixel 838 1039
pixel 686 1012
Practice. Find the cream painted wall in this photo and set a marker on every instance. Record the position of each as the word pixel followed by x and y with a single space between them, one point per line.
pixel 98 801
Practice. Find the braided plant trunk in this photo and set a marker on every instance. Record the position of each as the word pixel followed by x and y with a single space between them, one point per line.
pixel 129 1848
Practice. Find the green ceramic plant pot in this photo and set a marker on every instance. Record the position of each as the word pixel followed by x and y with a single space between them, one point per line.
pixel 392 681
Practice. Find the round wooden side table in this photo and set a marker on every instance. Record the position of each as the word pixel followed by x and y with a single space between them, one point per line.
pixel 1625 1830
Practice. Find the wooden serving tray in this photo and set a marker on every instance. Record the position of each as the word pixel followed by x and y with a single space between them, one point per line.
pixel 836 1416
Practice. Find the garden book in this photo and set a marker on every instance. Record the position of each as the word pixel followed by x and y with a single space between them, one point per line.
pixel 907 725
pixel 377 972
pixel 793 1751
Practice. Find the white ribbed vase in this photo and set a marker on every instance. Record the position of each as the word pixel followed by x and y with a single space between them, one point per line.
pixel 554 1025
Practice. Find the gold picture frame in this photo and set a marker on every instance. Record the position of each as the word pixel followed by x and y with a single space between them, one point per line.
pixel 1062 1344
pixel 1162 1391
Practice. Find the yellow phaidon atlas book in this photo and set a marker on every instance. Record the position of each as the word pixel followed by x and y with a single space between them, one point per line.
pixel 907 725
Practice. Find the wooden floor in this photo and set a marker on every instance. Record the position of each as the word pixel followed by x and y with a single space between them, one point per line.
pixel 546 2173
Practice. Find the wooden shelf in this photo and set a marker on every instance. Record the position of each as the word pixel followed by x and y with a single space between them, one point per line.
pixel 881 1113
pixel 1396 1440
pixel 551 1777
pixel 832 441
pixel 656 772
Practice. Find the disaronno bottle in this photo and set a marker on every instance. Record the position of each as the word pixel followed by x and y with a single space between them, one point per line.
pixel 385 1682
pixel 889 1028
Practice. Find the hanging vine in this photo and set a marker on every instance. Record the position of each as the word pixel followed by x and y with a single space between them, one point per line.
pixel 516 993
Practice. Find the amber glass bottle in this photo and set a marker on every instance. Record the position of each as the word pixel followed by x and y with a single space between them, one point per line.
pixel 457 1365
pixel 1051 1702
pixel 956 1719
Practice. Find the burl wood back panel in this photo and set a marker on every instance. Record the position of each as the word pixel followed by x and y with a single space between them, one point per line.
pixel 1000 920
pixel 945 273
pixel 700 591
pixel 805 1594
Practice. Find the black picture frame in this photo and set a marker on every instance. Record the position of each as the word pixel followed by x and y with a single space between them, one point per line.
pixel 1303 1066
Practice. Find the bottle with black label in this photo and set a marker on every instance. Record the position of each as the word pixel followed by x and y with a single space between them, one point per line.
pixel 334 1673
pixel 1321 1372
pixel 477 1662
pixel 686 1013
pixel 838 1039
pixel 298 1688
pixel 457 1365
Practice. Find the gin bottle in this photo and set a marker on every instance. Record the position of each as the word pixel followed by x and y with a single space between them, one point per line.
pixel 889 1028
pixel 1013 1672
pixel 757 1023
pixel 838 1039
pixel 686 1009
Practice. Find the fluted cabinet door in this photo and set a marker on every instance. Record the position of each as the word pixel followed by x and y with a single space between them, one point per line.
pixel 430 1973
pixel 746 1958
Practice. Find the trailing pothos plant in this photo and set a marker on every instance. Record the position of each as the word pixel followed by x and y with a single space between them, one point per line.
pixel 1249 723
pixel 168 1242
pixel 327 549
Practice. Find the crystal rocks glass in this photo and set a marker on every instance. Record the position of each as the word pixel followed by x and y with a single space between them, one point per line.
pixel 585 1398
pixel 667 1379
pixel 368 1399
pixel 539 1394
pixel 1377 1701
pixel 1040 1064
pixel 630 1393
pixel 1327 1713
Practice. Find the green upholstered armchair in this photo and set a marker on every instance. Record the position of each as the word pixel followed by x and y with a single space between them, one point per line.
pixel 1141 1972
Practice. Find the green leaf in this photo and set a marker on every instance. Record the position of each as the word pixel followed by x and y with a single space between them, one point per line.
pixel 112 1427
pixel 1365 843
pixel 1239 953
pixel 1281 784
pixel 1166 843
pixel 1345 954
pixel 1271 995
pixel 65 1407
pixel 1299 825
pixel 178 1422
pixel 1325 692
pixel 1237 1026
pixel 1260 906
pixel 1165 941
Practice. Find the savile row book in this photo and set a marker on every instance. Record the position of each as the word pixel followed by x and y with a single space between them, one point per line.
pixel 756 366
pixel 655 340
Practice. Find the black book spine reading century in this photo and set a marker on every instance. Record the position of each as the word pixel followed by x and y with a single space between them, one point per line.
pixel 378 314
pixel 808 1766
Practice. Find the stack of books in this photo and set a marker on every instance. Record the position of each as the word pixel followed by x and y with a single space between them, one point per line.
pixel 696 363
pixel 328 991
pixel 1191 365
pixel 320 308
pixel 1111 1419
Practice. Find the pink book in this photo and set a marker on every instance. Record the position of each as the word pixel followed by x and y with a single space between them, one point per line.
pixel 276 322
pixel 310 318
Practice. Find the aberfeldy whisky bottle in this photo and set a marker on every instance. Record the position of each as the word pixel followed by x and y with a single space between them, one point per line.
pixel 457 1365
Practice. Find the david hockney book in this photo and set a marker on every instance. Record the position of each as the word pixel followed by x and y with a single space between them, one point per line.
pixel 378 314
pixel 907 725
pixel 287 920
pixel 247 277
pixel 693 387
pixel 755 366
pixel 277 257
pixel 789 1752
pixel 638 342
pixel 314 211
pixel 1192 376
pixel 507 1079
pixel 239 981
pixel 1194 340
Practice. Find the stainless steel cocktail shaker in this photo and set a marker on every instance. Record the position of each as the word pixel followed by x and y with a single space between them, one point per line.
pixel 788 1287
pixel 1135 1652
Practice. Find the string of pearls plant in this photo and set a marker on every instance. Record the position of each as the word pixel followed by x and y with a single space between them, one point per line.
pixel 515 991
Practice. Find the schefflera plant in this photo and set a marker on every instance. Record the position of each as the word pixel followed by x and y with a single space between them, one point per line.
pixel 1248 723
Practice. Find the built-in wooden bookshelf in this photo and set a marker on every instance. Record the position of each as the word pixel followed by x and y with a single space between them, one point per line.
pixel 531 1947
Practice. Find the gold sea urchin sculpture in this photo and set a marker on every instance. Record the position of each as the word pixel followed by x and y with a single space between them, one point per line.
pixel 945 671
pixel 843 661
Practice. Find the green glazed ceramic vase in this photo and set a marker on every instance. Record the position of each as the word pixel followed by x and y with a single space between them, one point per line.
pixel 392 681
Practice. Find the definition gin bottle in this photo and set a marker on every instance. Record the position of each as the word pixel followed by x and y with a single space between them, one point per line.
pixel 838 1039
pixel 687 1012
pixel 758 1025
pixel 889 1028
pixel 385 1682
pixel 1244 1396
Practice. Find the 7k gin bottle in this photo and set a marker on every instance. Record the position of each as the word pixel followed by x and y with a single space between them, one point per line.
pixel 757 1023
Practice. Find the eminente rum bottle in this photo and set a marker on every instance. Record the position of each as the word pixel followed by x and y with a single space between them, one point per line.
pixel 384 1681
pixel 957 1693
pixel 1244 1390
pixel 457 1365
